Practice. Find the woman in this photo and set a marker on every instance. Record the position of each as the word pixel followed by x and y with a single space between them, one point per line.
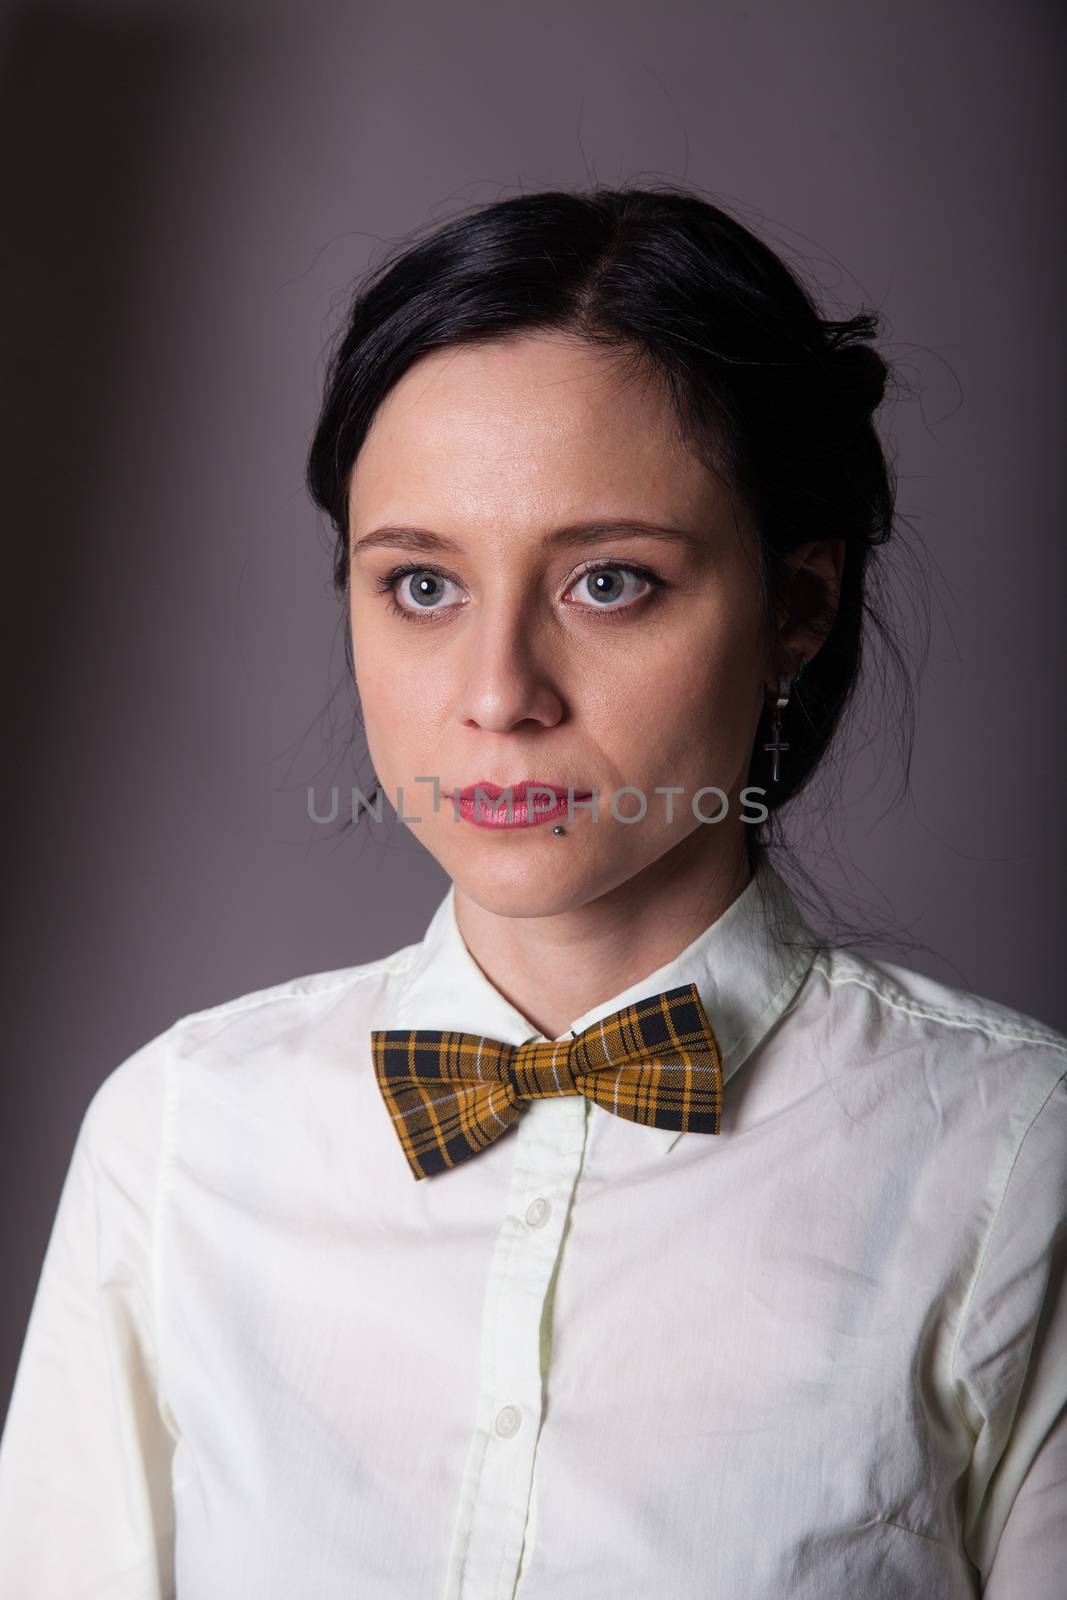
pixel 621 1238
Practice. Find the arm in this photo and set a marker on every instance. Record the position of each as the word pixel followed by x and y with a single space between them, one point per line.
pixel 1010 1372
pixel 85 1506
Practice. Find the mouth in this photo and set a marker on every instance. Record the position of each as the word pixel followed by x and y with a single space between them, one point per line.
pixel 532 803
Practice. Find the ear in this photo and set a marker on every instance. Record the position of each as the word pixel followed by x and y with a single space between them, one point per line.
pixel 809 605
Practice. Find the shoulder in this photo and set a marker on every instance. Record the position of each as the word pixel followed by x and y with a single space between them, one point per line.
pixel 907 994
pixel 911 1002
pixel 962 1077
pixel 129 1108
pixel 969 1097
pixel 282 1005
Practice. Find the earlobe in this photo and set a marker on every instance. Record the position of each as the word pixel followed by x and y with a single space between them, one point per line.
pixel 786 677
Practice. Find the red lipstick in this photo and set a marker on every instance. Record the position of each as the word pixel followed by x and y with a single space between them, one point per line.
pixel 486 803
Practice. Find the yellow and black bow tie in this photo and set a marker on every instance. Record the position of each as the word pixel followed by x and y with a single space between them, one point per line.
pixel 450 1094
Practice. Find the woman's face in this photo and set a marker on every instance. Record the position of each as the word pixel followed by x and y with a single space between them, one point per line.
pixel 499 656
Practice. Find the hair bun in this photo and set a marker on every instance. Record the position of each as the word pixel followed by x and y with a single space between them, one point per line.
pixel 862 374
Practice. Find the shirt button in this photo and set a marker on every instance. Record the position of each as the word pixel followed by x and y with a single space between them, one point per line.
pixel 507 1421
pixel 537 1211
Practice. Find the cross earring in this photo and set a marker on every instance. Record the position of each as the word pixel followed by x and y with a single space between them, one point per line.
pixel 776 744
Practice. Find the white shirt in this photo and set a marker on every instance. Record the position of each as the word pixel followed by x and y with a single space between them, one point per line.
pixel 821 1354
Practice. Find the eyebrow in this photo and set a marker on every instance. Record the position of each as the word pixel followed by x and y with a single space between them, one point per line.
pixel 573 535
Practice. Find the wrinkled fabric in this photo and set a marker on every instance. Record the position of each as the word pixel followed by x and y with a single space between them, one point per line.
pixel 822 1354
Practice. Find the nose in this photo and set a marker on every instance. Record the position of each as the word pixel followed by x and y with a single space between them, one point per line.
pixel 507 673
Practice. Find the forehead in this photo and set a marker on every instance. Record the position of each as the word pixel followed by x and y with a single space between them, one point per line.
pixel 542 420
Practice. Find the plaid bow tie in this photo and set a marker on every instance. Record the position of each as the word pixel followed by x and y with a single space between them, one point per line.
pixel 450 1094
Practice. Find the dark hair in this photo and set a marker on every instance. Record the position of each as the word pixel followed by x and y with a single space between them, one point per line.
pixel 774 398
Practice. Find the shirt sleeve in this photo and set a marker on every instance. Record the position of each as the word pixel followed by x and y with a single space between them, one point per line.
pixel 85 1498
pixel 1010 1373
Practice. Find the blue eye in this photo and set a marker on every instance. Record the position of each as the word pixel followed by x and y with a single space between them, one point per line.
pixel 424 588
pixel 604 585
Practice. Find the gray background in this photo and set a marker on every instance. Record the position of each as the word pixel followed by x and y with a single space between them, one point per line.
pixel 188 191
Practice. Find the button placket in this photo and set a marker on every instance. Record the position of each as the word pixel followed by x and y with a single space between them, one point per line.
pixel 488 1538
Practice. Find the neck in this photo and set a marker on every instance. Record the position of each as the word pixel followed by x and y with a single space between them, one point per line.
pixel 554 968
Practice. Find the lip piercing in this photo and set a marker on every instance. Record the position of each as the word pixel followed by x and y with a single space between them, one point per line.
pixel 559 828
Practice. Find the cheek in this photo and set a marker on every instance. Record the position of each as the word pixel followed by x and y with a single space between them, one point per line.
pixel 694 738
pixel 678 707
pixel 399 703
pixel 380 687
pixel 382 667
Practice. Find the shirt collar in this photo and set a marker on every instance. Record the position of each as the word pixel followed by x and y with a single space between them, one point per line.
pixel 747 966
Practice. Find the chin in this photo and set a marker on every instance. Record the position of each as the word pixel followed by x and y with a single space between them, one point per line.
pixel 526 884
